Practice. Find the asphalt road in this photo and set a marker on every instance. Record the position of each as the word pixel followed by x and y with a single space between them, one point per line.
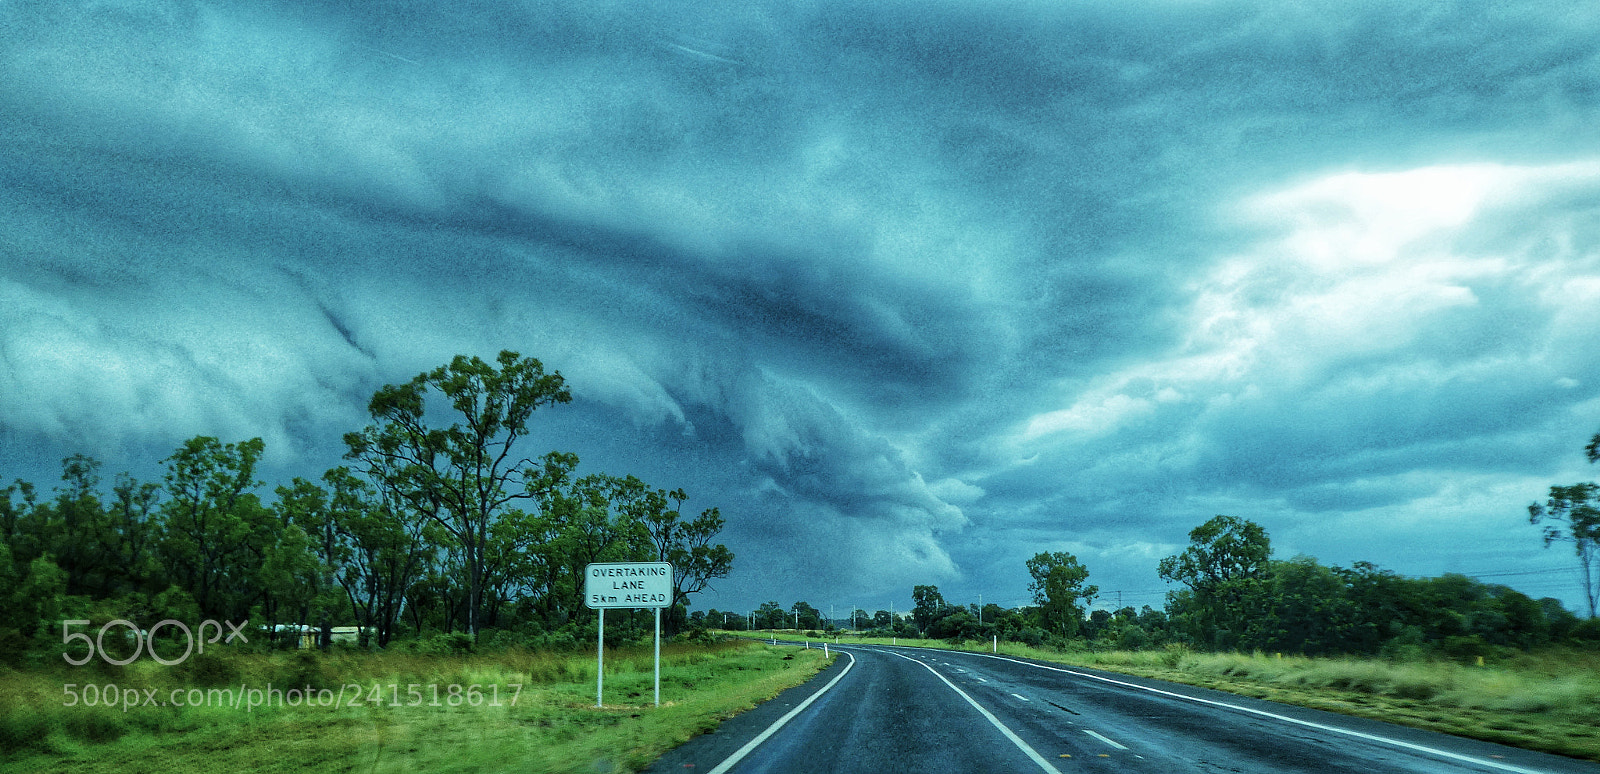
pixel 883 709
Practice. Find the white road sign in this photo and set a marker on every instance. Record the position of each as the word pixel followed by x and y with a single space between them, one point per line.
pixel 627 584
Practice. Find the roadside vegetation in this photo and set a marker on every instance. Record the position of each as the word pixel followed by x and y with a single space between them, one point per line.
pixel 552 725
pixel 442 521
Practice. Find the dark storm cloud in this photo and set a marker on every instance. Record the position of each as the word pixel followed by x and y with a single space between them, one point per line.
pixel 921 287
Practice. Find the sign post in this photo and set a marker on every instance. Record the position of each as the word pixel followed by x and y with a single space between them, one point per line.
pixel 626 585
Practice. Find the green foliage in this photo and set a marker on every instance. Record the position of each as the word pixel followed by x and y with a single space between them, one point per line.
pixel 1223 568
pixel 927 603
pixel 1059 582
pixel 1572 515
pixel 437 526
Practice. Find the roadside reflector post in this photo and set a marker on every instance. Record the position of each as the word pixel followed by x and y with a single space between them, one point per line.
pixel 994 643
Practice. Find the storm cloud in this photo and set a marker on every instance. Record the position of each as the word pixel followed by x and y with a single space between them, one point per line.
pixel 911 291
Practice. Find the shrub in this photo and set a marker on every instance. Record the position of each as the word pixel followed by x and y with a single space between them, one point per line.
pixel 1133 638
pixel 1464 648
pixel 21 730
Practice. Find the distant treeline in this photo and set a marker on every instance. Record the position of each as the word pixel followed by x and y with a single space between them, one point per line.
pixel 1232 597
pixel 429 529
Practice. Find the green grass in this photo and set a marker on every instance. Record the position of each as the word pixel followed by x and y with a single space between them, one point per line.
pixel 553 726
pixel 1547 700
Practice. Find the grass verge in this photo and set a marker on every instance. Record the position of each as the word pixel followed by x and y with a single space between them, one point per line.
pixel 549 724
pixel 1547 701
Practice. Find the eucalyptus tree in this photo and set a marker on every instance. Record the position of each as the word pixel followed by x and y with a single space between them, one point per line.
pixel 134 511
pixel 466 474
pixel 1224 568
pixel 1059 583
pixel 213 525
pixel 685 543
pixel 1572 515
pixel 926 603
pixel 388 548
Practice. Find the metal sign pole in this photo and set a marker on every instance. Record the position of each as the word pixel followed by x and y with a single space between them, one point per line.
pixel 658 657
pixel 600 660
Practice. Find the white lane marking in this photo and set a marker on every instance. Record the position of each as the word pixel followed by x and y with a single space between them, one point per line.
pixel 1020 696
pixel 1284 718
pixel 739 754
pixel 981 680
pixel 1016 740
pixel 1103 739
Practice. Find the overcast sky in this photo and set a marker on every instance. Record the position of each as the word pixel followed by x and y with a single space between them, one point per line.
pixel 911 291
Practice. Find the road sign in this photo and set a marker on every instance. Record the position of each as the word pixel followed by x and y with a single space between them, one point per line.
pixel 627 584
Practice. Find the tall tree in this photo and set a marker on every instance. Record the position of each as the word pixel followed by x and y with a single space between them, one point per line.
pixel 806 616
pixel 1578 505
pixel 133 509
pixel 1059 582
pixel 1572 515
pixel 769 615
pixel 686 544
pixel 213 526
pixel 464 475
pixel 389 551
pixel 1224 566
pixel 926 604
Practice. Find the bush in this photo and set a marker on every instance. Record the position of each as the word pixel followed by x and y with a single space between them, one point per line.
pixel 454 643
pixel 21 730
pixel 1133 638
pixel 91 726
pixel 1465 648
pixel 211 668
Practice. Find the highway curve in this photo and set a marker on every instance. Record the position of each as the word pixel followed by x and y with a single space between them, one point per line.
pixel 887 709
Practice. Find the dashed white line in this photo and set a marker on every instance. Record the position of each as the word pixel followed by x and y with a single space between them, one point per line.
pixel 1111 742
pixel 1020 696
pixel 1284 718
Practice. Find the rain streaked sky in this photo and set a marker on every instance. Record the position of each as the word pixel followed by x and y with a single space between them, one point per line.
pixel 910 291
